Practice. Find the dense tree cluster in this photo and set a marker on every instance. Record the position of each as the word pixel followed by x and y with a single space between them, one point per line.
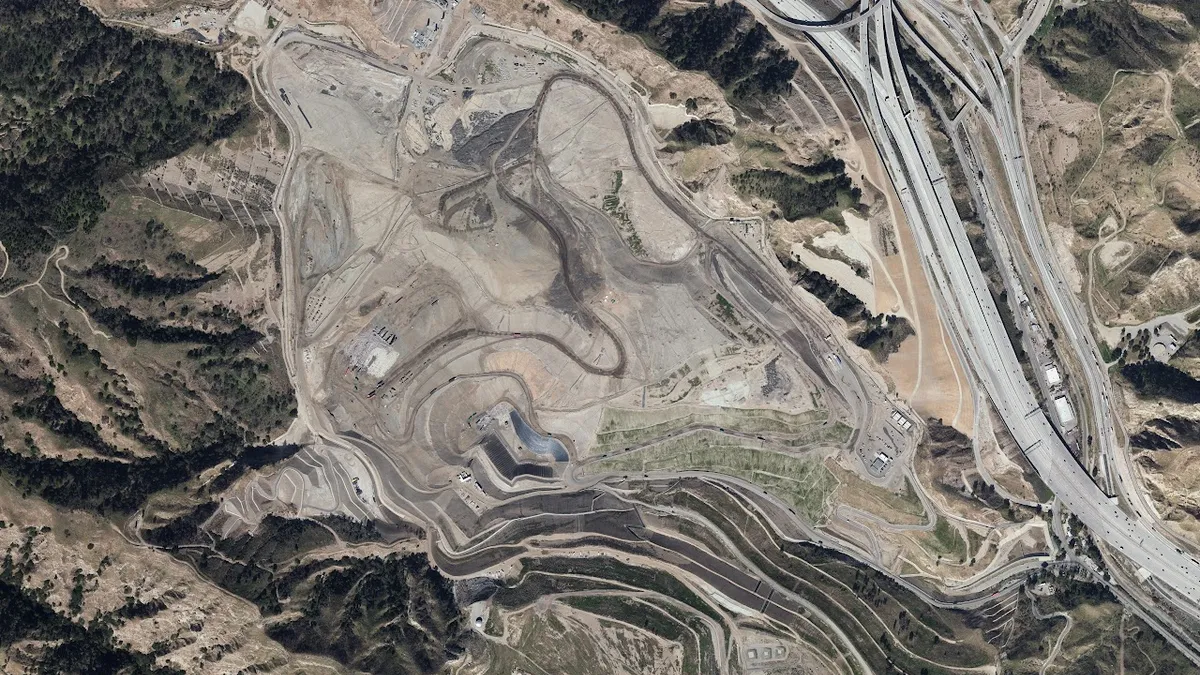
pixel 135 278
pixel 841 303
pixel 276 541
pixel 880 334
pixel 351 530
pixel 48 409
pixel 700 132
pixel 1167 433
pixel 1072 590
pixel 1152 379
pixel 124 323
pixel 220 349
pixel 722 40
pixel 241 380
pixel 85 103
pixel 71 648
pixel 883 334
pixel 106 485
pixel 801 192
pixel 1082 47
pixel 1152 148
pixel 391 615
pixel 924 77
pixel 66 647
pixel 631 15
pixel 255 457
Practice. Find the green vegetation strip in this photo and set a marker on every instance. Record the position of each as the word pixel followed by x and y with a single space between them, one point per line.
pixel 804 483
pixel 803 192
pixel 947 540
pixel 535 585
pixel 630 426
pixel 1185 101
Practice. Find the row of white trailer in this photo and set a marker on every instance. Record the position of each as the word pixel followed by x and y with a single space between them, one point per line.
pixel 901 421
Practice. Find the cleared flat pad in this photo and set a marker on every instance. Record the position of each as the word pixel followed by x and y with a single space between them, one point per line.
pixel 588 153
pixel 340 105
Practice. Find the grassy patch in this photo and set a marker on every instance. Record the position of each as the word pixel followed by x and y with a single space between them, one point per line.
pixel 612 205
pixel 805 483
pixel 902 508
pixel 1079 167
pixel 725 309
pixel 946 541
pixel 622 427
pixel 1185 102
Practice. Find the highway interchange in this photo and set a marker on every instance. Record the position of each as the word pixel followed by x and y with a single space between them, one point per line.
pixel 872 68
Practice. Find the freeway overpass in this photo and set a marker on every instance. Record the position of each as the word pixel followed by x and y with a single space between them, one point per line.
pixel 882 92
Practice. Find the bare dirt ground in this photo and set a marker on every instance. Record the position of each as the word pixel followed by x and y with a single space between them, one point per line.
pixel 356 16
pixel 460 256
pixel 1173 479
pixel 397 255
pixel 593 160
pixel 1005 12
pixel 926 370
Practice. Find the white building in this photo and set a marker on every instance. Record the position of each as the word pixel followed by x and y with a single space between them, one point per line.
pixel 1065 414
pixel 901 420
pixel 1052 376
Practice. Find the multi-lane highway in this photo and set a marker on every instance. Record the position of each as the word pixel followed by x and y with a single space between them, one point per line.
pixel 1016 186
pixel 872 69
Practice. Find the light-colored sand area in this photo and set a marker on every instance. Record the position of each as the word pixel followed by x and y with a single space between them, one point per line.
pixel 328 91
pixel 585 145
pixel 926 370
